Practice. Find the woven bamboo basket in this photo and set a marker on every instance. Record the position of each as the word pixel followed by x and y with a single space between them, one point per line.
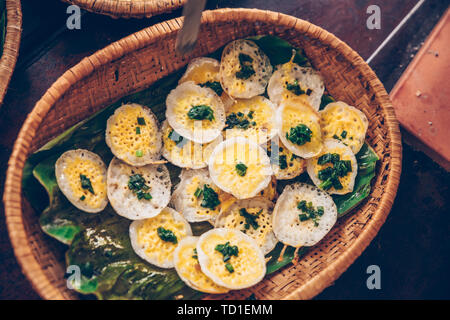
pixel 11 44
pixel 148 55
pixel 128 8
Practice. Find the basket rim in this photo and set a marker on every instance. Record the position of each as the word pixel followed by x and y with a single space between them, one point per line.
pixel 13 186
pixel 131 9
pixel 11 45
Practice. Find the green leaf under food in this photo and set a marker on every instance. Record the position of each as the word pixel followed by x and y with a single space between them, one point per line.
pixel 275 265
pixel 367 160
pixel 111 270
pixel 99 243
pixel 279 51
pixel 326 99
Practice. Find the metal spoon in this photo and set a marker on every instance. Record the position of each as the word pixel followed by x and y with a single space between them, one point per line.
pixel 187 36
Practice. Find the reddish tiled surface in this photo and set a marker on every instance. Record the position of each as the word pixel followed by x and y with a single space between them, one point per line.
pixel 421 96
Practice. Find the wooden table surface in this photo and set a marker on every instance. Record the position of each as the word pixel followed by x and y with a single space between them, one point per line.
pixel 412 249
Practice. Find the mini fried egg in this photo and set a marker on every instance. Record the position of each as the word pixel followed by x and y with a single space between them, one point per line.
pixel 138 192
pixel 81 177
pixel 285 164
pixel 133 135
pixel 254 218
pixel 205 72
pixel 240 167
pixel 303 215
pixel 252 118
pixel 345 123
pixel 245 69
pixel 230 258
pixel 299 128
pixel 183 152
pixel 189 270
pixel 198 198
pixel 155 239
pixel 291 80
pixel 334 169
pixel 195 113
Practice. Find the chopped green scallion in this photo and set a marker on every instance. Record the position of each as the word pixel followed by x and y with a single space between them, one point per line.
pixel 198 192
pixel 229 267
pixel 241 169
pixel 141 121
pixel 167 235
pixel 86 183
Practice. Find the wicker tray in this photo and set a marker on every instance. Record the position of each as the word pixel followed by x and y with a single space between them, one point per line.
pixel 128 8
pixel 148 55
pixel 11 45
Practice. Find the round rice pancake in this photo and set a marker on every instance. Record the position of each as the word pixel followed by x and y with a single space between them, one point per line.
pixel 198 198
pixel 300 80
pixel 155 239
pixel 132 134
pixel 344 122
pixel 195 112
pixel 299 128
pixel 252 118
pixel 252 217
pixel 245 69
pixel 240 271
pixel 285 164
pixel 333 146
pixel 295 230
pixel 240 167
pixel 81 177
pixel 128 186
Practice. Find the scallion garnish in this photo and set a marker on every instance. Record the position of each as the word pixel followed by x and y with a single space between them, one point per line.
pixel 167 235
pixel 141 121
pixel 86 183
pixel 241 169
pixel 137 184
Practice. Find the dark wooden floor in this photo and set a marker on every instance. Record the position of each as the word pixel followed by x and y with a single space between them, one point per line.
pixel 412 249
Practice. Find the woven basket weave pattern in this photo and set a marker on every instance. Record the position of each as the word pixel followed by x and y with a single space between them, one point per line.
pixel 128 8
pixel 149 55
pixel 11 44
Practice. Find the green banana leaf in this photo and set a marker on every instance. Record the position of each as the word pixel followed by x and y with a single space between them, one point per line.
pixel 367 160
pixel 280 51
pixel 111 270
pixel 99 243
